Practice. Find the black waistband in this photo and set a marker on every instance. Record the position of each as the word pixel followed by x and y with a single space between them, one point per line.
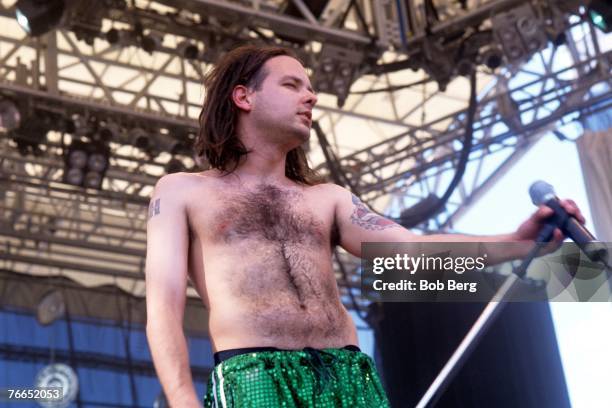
pixel 223 355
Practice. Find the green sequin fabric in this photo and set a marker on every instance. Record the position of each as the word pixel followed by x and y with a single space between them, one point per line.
pixel 304 378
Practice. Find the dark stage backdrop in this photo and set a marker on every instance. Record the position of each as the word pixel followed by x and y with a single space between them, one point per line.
pixel 516 364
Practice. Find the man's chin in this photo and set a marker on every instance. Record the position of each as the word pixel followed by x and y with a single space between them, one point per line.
pixel 303 134
pixel 297 136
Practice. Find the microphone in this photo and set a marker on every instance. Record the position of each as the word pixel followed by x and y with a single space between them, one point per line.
pixel 543 193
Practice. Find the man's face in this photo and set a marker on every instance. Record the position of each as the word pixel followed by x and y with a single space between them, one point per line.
pixel 283 104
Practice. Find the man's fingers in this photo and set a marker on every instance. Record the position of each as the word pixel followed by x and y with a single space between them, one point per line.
pixel 555 242
pixel 558 235
pixel 544 212
pixel 572 209
pixel 568 205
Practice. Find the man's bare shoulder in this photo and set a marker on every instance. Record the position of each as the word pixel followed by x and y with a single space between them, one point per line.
pixel 183 193
pixel 329 191
pixel 182 182
pixel 176 190
pixel 327 196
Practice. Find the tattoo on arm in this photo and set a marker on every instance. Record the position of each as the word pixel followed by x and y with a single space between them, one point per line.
pixel 153 208
pixel 363 217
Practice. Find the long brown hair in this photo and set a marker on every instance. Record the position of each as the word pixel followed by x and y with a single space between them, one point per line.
pixel 217 140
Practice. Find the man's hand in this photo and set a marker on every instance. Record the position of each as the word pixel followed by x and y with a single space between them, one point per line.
pixel 529 230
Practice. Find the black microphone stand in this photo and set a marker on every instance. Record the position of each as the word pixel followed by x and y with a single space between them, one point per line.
pixel 484 321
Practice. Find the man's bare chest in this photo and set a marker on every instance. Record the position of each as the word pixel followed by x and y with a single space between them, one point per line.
pixel 266 214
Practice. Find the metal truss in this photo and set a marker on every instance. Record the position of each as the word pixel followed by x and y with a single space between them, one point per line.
pixel 129 79
pixel 395 146
pixel 393 164
pixel 511 117
pixel 44 222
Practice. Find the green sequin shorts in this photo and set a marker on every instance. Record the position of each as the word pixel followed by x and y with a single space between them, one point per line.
pixel 300 378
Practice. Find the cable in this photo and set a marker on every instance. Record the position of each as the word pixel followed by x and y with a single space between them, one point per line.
pixel 463 157
pixel 465 152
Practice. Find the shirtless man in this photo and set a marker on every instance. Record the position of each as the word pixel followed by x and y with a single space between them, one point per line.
pixel 255 235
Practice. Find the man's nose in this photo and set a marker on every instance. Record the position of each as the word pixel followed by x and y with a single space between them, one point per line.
pixel 311 98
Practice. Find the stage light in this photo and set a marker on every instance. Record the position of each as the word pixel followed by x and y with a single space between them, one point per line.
pixel 69 126
pixel 140 138
pixel 336 70
pixel 492 57
pixel 521 33
pixel 10 117
pixel 38 17
pixel 188 50
pixel 76 160
pixel 74 176
pixel 181 147
pixel 112 36
pixel 600 13
pixel 151 42
pixel 82 125
pixel 174 166
pixel 345 70
pixel 77 157
pixel 97 162
pixel 121 37
pixel 327 65
pixel 30 134
pixel 86 164
pixel 529 29
pixel 93 179
pixel 108 131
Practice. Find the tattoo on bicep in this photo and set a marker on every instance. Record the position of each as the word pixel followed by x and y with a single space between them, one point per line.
pixel 363 217
pixel 153 208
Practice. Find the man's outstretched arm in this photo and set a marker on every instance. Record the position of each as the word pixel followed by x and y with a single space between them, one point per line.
pixel 166 283
pixel 358 224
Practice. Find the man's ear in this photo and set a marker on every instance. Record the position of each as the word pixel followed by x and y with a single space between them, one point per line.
pixel 242 97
